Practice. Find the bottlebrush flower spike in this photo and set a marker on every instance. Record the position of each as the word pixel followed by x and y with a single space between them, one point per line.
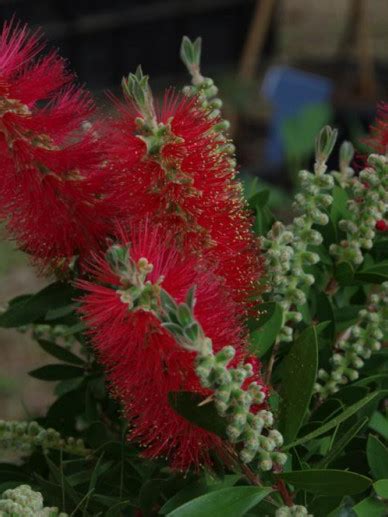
pixel 377 141
pixel 173 170
pixel 51 194
pixel 143 360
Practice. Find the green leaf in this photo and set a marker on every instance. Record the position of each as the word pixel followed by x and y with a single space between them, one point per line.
pixel 344 273
pixel 10 472
pixel 190 52
pixel 324 313
pixel 263 220
pixel 149 495
pixel 35 307
pixel 56 372
pixel 264 337
pixel 346 316
pixel 377 455
pixel 184 315
pixel 68 385
pixel 265 313
pixel 299 371
pixel 379 423
pixel 60 353
pixel 374 274
pixel 341 442
pixel 116 510
pixel 186 494
pixel 9 485
pixel 228 502
pixel 186 404
pixel 339 208
pixel 351 394
pixel 370 507
pixel 168 302
pixel 347 413
pixel 327 482
pixel 381 488
pixel 325 506
pixel 60 478
pixel 259 200
pixel 54 314
pixel 328 409
pixel 227 481
pixel 378 377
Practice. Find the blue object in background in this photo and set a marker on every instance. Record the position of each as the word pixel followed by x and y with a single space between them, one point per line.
pixel 290 92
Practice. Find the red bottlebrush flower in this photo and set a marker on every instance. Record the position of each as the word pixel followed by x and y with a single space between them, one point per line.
pixel 187 184
pixel 51 193
pixel 378 138
pixel 144 362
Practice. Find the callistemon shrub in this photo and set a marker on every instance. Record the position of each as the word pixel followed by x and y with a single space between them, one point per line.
pixel 208 360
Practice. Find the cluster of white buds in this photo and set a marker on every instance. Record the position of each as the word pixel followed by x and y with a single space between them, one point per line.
pixel 356 345
pixel 287 247
pixel 51 333
pixel 22 501
pixel 26 436
pixel 206 92
pixel 368 205
pixel 292 511
pixel 252 430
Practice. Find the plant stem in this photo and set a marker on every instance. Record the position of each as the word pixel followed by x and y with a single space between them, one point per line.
pixel 271 362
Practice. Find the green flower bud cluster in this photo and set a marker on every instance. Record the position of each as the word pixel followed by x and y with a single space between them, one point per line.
pixel 287 247
pixel 53 332
pixel 345 173
pixel 22 501
pixel 136 87
pixel 137 291
pixel 292 511
pixel 153 133
pixel 253 431
pixel 26 436
pixel 206 92
pixel 190 53
pixel 368 205
pixel 356 345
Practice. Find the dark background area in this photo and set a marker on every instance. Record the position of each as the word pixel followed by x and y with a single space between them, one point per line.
pixel 104 40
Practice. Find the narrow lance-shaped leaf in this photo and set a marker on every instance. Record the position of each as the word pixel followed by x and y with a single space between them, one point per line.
pixel 228 502
pixel 298 375
pixel 327 482
pixel 347 413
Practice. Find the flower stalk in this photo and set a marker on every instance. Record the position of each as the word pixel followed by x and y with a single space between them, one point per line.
pixel 207 93
pixel 288 247
pixel 27 436
pixel 369 204
pixel 233 399
pixel 356 345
